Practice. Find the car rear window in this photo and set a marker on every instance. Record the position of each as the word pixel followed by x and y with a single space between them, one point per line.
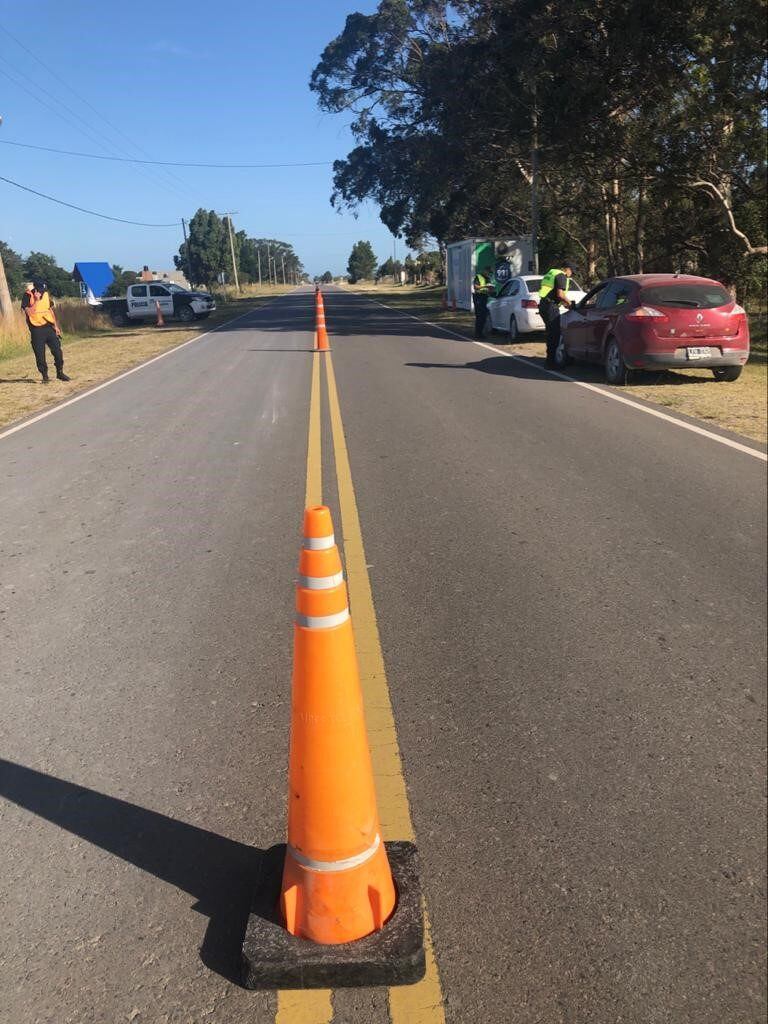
pixel 533 284
pixel 686 296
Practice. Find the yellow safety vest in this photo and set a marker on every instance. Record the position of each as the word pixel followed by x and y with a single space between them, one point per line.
pixel 548 282
pixel 40 313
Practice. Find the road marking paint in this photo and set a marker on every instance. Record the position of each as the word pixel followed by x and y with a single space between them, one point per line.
pixel 310 1006
pixel 412 1004
pixel 727 441
pixel 127 373
pixel 306 1006
pixel 314 491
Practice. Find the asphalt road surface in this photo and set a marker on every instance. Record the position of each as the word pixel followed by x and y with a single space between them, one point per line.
pixel 570 598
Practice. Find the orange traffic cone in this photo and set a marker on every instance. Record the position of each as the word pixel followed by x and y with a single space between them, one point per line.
pixel 160 322
pixel 321 334
pixel 335 906
pixel 337 885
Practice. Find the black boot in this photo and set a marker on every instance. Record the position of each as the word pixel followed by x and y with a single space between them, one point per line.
pixel 62 376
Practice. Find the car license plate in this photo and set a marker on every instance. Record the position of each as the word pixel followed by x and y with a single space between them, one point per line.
pixel 698 353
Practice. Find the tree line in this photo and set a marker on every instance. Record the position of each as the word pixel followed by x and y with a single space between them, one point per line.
pixel 37 266
pixel 205 258
pixel 645 125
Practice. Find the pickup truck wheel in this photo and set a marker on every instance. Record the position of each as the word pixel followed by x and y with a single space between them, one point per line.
pixel 186 314
pixel 514 331
pixel 616 370
pixel 726 373
pixel 119 319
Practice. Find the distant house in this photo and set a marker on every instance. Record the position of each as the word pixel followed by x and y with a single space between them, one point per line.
pixel 169 276
pixel 94 279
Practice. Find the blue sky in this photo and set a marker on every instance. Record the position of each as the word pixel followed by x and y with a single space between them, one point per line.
pixel 207 82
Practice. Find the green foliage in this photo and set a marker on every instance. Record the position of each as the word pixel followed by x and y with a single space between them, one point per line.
pixel 326 277
pixel 207 254
pixel 14 270
pixel 269 254
pixel 362 262
pixel 123 279
pixel 649 123
pixel 60 282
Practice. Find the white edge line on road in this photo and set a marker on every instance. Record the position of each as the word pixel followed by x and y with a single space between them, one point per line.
pixel 127 373
pixel 755 453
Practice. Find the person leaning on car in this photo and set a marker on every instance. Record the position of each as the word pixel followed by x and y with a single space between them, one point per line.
pixel 44 329
pixel 482 290
pixel 553 293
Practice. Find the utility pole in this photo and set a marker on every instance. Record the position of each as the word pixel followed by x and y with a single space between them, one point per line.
pixel 534 184
pixel 188 251
pixel 269 268
pixel 258 262
pixel 282 260
pixel 5 296
pixel 6 309
pixel 232 247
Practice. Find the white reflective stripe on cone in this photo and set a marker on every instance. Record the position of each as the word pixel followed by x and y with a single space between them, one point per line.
pixel 322 621
pixel 319 543
pixel 335 865
pixel 321 582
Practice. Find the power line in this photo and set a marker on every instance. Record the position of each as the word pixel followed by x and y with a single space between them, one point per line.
pixel 102 118
pixel 82 209
pixel 162 163
pixel 37 91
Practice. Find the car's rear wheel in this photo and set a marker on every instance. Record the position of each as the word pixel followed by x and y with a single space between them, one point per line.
pixel 726 373
pixel 616 370
pixel 186 314
pixel 561 354
pixel 514 330
pixel 119 319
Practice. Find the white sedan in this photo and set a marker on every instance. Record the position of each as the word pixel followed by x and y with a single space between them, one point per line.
pixel 516 308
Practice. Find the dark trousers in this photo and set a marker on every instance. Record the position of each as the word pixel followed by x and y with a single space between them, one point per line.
pixel 550 314
pixel 40 337
pixel 481 311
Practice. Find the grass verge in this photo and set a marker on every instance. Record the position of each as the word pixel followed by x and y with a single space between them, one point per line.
pixel 97 353
pixel 741 406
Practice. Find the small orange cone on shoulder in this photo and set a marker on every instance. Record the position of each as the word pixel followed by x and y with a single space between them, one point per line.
pixel 337 885
pixel 160 322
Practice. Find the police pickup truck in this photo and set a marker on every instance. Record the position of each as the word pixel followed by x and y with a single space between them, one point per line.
pixel 143 299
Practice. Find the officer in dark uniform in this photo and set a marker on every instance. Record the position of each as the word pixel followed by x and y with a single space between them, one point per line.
pixel 553 297
pixel 482 290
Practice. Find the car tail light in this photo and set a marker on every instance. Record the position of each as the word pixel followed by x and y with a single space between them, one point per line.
pixel 647 313
pixel 738 316
pixel 529 304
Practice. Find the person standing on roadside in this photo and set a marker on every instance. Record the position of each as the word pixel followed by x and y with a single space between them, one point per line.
pixel 482 290
pixel 44 330
pixel 553 294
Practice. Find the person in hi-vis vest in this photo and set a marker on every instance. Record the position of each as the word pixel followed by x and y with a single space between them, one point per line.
pixel 44 330
pixel 482 290
pixel 553 294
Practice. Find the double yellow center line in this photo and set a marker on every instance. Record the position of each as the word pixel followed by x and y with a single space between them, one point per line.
pixel 411 1004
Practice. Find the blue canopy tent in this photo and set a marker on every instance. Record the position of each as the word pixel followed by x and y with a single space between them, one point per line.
pixel 94 280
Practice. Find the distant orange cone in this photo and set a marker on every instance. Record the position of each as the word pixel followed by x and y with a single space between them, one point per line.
pixel 160 322
pixel 321 334
pixel 337 885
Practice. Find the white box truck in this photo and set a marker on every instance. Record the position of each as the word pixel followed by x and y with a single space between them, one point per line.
pixel 499 258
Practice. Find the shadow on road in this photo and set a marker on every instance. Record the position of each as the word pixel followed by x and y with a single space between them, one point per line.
pixel 218 872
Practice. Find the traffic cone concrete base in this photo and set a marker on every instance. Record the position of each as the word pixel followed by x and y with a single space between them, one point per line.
pixel 394 955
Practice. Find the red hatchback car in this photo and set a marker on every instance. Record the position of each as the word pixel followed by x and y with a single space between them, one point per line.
pixel 656 321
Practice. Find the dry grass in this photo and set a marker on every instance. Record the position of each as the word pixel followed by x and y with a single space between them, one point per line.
pixel 741 406
pixel 93 356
